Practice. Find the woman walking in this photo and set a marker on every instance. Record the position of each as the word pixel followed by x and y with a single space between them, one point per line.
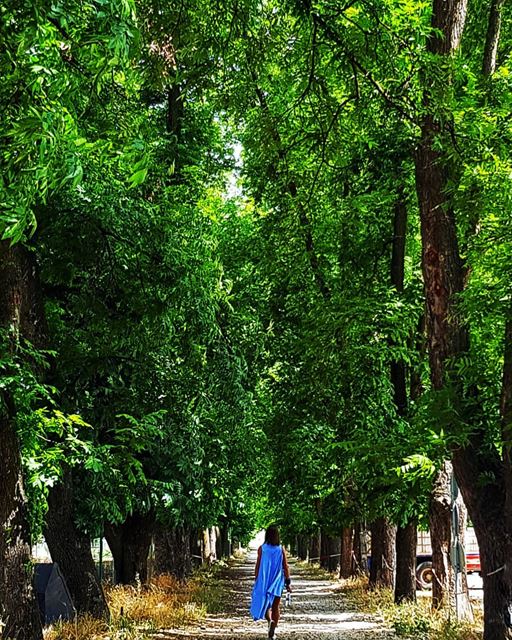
pixel 271 576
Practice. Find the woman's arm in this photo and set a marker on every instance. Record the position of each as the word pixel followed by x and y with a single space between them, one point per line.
pixel 257 568
pixel 286 570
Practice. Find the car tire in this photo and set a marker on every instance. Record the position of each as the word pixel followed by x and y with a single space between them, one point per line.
pixel 424 575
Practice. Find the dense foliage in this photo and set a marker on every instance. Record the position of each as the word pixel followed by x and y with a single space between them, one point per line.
pixel 211 194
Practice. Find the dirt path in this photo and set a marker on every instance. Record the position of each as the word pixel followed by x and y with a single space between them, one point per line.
pixel 318 610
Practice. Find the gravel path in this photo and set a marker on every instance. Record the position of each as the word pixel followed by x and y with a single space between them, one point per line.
pixel 319 609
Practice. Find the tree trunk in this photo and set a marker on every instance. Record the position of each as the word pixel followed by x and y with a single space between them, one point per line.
pixel 448 339
pixel 214 531
pixel 506 434
pixel 405 583
pixel 346 552
pixel 442 267
pixel 225 545
pixel 486 505
pixel 335 555
pixel 493 37
pixel 490 508
pixel 18 606
pixel 463 605
pixel 441 263
pixel 325 548
pixel 443 586
pixel 207 553
pixel 172 551
pixel 21 314
pixel 382 569
pixel 115 544
pixel 302 546
pixel 446 591
pixel 398 369
pixel 330 551
pixel 71 549
pixel 314 547
pixel 196 549
pixel 174 110
pixel 129 543
pixel 360 550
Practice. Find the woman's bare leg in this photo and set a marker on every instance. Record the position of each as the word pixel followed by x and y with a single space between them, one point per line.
pixel 275 616
pixel 275 610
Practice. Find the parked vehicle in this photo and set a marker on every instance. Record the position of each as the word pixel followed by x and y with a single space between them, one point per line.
pixel 424 573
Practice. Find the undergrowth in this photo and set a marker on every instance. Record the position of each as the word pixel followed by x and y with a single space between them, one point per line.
pixel 412 620
pixel 137 611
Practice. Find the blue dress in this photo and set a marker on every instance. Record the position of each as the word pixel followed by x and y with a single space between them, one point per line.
pixel 270 580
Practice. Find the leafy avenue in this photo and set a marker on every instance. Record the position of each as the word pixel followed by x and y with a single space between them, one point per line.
pixel 255 266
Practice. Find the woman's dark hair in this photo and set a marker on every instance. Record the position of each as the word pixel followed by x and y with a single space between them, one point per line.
pixel 272 535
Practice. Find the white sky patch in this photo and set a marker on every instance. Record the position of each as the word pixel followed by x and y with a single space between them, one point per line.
pixel 233 186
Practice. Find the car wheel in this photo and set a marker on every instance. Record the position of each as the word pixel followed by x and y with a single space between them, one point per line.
pixel 425 575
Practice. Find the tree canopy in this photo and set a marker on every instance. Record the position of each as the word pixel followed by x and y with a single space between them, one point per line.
pixel 255 266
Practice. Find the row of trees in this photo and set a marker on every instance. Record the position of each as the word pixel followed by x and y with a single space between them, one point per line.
pixel 126 397
pixel 310 347
pixel 376 139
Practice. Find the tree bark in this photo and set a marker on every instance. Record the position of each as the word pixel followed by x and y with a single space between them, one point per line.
pixel 443 586
pixel 441 262
pixel 448 19
pixel 335 554
pixel 405 583
pixel 360 551
pixel 172 551
pixel 330 550
pixel 406 539
pixel 302 546
pixel 506 419
pixel 382 569
pixel 442 266
pixel 20 311
pixel 18 606
pixel 196 549
pixel 464 609
pixel 486 506
pixel 346 552
pixel 174 111
pixel 207 553
pixel 493 37
pixel 325 549
pixel 314 547
pixel 71 549
pixel 225 545
pixel 398 369
pixel 448 339
pixel 129 543
pixel 213 543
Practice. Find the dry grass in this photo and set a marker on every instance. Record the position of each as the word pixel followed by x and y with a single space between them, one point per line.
pixel 315 570
pixel 136 610
pixel 164 603
pixel 412 620
pixel 85 628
